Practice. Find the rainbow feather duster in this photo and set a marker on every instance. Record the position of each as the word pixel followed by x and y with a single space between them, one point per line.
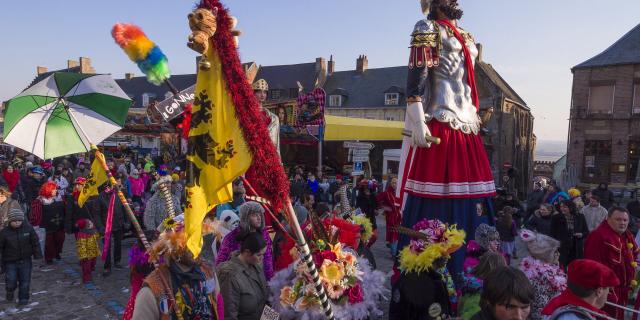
pixel 144 52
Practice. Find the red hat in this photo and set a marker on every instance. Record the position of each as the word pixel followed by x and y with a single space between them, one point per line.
pixel 591 274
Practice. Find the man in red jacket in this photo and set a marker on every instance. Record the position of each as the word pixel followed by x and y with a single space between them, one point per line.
pixel 614 246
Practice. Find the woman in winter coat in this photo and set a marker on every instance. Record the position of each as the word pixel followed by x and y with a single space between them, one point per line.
pixel 542 269
pixel 570 228
pixel 137 184
pixel 243 285
pixel 12 177
pixel 540 220
pixel 251 220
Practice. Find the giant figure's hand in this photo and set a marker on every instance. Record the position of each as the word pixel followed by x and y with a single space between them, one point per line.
pixel 418 126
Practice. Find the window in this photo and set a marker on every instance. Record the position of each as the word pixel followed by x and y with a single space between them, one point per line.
pixel 636 98
pixel 391 99
pixel 390 118
pixel 147 98
pixel 597 161
pixel 601 99
pixel 293 92
pixel 335 100
pixel 275 94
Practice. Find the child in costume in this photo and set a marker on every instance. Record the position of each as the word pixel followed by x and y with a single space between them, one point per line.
pixel 87 247
pixel 420 292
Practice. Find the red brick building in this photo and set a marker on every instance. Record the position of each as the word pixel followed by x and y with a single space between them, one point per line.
pixel 604 127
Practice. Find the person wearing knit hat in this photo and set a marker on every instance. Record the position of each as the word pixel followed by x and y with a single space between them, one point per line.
pixel 542 269
pixel 588 286
pixel 18 244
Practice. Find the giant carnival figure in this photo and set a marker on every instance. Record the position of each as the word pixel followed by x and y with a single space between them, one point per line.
pixel 450 180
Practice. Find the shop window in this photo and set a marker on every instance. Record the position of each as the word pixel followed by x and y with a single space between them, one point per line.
pixel 634 162
pixel 597 161
pixel 294 92
pixel 275 94
pixel 601 99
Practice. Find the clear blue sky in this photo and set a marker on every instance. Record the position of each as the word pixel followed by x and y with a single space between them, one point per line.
pixel 531 43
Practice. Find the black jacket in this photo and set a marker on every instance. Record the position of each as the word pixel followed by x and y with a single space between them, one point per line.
pixel 53 216
pixel 19 244
pixel 539 224
pixel 414 293
pixel 101 206
pixel 75 213
pixel 571 248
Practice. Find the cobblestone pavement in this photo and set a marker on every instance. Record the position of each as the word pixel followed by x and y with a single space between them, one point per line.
pixel 58 293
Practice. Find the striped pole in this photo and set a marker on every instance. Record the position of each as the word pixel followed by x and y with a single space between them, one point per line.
pixel 163 187
pixel 306 257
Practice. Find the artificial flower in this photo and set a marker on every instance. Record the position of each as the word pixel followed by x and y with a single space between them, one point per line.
pixel 331 272
pixel 336 248
pixel 349 259
pixel 328 255
pixel 355 294
pixel 287 296
pixel 334 291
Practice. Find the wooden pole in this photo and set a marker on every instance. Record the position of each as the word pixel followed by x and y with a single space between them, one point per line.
pixel 124 201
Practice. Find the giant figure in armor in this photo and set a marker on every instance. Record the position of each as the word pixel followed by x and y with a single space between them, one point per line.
pixel 449 180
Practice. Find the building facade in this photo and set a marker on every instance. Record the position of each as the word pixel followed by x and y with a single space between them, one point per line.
pixel 604 127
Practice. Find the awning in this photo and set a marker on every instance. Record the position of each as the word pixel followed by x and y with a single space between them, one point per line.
pixel 347 129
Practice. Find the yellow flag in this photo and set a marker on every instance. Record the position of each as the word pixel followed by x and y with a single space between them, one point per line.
pixel 96 178
pixel 217 152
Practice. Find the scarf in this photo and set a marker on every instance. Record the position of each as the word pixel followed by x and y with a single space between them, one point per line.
pixel 568 298
pixel 471 76
pixel 11 178
pixel 190 292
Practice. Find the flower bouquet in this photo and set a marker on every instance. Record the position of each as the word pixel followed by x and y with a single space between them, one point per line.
pixel 352 287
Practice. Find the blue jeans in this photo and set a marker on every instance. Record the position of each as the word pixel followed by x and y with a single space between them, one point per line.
pixel 18 275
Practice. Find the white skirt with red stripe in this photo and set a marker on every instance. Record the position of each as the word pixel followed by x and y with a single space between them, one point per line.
pixel 456 168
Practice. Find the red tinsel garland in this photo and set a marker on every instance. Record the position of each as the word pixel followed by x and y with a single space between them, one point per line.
pixel 266 163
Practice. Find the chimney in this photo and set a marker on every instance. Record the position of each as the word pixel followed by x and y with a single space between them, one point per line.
pixel 40 70
pixel 479 46
pixel 85 66
pixel 331 66
pixel 320 64
pixel 72 64
pixel 362 64
pixel 129 76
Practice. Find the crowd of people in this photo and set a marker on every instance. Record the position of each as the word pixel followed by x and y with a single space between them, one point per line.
pixel 565 235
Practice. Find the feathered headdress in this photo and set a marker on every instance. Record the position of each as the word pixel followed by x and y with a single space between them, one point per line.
pixel 430 240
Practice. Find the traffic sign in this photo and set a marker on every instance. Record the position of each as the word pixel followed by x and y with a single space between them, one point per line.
pixel 360 152
pixel 358 145
pixel 360 159
pixel 357 166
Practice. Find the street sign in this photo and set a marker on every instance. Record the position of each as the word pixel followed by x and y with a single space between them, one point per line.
pixel 360 152
pixel 357 173
pixel 357 166
pixel 358 145
pixel 360 159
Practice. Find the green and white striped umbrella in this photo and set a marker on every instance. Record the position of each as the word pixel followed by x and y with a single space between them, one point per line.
pixel 65 113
